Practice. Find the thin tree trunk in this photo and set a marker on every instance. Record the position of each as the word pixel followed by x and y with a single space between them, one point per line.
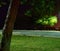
pixel 9 24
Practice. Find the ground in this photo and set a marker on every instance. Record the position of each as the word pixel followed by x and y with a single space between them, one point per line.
pixel 34 43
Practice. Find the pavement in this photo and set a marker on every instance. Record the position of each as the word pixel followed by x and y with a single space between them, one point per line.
pixel 44 33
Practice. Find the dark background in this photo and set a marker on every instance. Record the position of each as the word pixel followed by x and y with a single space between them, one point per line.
pixel 23 21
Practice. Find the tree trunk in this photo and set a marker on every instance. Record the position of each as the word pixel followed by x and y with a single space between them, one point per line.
pixel 9 24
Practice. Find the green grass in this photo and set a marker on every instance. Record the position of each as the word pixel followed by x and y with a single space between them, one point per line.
pixel 29 43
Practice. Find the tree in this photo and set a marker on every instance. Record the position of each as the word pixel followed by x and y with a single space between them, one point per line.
pixel 51 21
pixel 9 24
pixel 39 9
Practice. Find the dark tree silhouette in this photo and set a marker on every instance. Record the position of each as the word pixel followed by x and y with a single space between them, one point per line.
pixel 9 24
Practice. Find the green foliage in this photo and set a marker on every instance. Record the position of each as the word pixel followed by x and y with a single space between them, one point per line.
pixel 39 8
pixel 52 20
pixel 44 7
pixel 23 1
pixel 2 4
pixel 28 13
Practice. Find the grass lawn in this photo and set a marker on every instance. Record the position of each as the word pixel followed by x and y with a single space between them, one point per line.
pixel 29 43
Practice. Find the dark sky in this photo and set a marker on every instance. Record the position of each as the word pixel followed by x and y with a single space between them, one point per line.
pixel 3 12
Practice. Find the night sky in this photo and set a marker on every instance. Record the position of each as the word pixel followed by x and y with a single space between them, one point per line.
pixel 3 12
pixel 22 21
